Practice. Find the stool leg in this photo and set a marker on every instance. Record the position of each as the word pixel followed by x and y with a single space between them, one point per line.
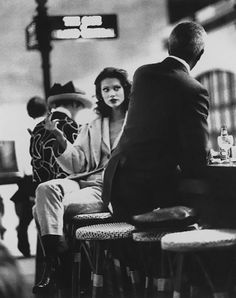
pixel 145 256
pixel 148 269
pixel 76 267
pixel 148 283
pixel 97 291
pixel 164 282
pixel 178 276
pixel 119 277
pixel 209 281
pixel 134 276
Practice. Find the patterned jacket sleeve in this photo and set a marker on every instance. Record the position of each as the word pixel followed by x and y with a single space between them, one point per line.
pixel 73 159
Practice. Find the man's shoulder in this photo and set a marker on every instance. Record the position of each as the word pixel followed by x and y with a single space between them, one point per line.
pixel 143 72
pixel 147 67
pixel 194 84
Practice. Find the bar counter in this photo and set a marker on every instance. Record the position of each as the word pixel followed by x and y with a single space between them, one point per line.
pixel 215 201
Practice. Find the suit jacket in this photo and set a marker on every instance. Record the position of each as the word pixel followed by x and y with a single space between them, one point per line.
pixel 165 133
pixel 86 158
pixel 43 161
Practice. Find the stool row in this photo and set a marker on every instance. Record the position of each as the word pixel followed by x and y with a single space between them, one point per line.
pixel 147 258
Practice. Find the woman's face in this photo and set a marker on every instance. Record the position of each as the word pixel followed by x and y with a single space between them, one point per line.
pixel 112 92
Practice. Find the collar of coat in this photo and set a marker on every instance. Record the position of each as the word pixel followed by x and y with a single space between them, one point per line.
pixel 181 61
pixel 99 130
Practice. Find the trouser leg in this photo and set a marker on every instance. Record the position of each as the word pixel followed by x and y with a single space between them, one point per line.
pixel 52 199
pixel 49 204
pixel 48 212
pixel 24 213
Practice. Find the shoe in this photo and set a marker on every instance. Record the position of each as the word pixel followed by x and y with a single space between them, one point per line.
pixel 47 283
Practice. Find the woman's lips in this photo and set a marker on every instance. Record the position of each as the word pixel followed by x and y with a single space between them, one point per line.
pixel 113 100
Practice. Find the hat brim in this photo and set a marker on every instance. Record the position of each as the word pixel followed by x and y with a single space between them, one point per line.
pixel 71 96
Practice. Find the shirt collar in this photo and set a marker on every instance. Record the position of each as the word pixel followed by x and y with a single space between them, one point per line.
pixel 181 61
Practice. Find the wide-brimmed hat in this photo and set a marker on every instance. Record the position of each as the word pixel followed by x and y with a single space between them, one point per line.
pixel 70 92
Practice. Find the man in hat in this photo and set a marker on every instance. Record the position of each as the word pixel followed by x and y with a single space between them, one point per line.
pixel 64 102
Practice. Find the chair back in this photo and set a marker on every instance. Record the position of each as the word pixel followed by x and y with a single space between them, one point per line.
pixel 10 171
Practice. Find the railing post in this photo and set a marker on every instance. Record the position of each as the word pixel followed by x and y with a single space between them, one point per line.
pixel 44 42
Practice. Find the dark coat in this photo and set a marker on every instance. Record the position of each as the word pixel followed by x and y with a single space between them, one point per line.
pixel 166 133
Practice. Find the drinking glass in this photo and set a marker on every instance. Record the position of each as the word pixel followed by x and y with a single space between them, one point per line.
pixel 225 143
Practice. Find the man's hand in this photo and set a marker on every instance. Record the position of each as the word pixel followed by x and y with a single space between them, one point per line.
pixel 50 124
pixel 60 145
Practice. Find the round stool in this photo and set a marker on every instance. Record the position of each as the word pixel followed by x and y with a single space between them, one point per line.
pixel 194 243
pixel 104 234
pixel 153 260
pixel 109 231
pixel 81 220
pixel 175 217
pixel 154 225
pixel 77 221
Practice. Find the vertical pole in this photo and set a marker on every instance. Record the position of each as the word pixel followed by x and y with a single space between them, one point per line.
pixel 44 42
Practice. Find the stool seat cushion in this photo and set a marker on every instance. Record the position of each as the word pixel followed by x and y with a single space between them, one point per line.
pixel 109 231
pixel 199 240
pixel 81 220
pixel 99 215
pixel 83 208
pixel 155 235
pixel 148 236
pixel 176 216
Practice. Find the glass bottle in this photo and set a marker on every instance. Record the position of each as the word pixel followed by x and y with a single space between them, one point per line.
pixel 225 142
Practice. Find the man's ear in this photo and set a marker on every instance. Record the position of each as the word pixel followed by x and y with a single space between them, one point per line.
pixel 194 62
pixel 200 54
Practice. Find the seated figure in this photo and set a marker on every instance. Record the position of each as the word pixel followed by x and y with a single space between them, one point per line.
pixel 84 161
pixel 166 133
pixel 64 103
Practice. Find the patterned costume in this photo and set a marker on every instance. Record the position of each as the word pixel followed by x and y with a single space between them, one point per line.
pixel 43 160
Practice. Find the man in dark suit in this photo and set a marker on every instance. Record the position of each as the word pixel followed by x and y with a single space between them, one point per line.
pixel 166 132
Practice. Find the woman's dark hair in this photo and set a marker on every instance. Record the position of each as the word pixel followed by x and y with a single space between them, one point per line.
pixel 36 107
pixel 122 76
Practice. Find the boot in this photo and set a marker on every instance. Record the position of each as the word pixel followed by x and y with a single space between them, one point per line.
pixel 53 246
pixel 47 284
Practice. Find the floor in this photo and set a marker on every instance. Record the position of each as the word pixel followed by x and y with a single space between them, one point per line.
pixel 10 222
pixel 27 267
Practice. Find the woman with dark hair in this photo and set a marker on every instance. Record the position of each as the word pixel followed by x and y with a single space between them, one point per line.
pixel 121 75
pixel 85 161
